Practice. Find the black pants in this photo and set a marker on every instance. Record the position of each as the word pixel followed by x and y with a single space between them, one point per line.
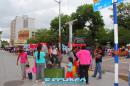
pixel 83 71
pixel 54 59
pixel 30 76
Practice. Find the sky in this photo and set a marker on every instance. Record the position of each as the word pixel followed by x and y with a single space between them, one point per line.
pixel 42 10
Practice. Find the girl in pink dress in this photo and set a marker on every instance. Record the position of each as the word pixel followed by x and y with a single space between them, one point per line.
pixel 22 58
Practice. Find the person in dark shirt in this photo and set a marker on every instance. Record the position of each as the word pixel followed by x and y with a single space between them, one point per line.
pixel 98 62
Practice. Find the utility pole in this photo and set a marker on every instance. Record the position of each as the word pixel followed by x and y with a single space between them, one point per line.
pixel 70 33
pixel 59 2
pixel 116 58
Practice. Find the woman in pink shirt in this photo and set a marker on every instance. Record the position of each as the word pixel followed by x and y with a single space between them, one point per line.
pixel 85 61
pixel 22 57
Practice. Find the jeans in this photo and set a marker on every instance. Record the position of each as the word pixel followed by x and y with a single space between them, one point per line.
pixel 40 71
pixel 84 72
pixel 98 69
pixel 30 76
pixel 23 66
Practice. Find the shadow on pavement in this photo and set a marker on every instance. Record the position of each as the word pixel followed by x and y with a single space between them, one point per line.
pixel 14 83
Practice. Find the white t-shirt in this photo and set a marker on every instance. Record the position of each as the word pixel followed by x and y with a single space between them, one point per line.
pixel 54 51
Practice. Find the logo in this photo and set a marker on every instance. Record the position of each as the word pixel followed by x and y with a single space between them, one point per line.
pixel 57 81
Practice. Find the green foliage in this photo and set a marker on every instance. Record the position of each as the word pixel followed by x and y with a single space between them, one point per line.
pixel 81 33
pixel 124 36
pixel 84 33
pixel 32 40
pixel 4 43
pixel 55 23
pixel 83 14
pixel 102 36
pixel 64 28
pixel 44 35
pixel 124 15
pixel 86 14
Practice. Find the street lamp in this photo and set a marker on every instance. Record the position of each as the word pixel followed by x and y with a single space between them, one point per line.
pixel 70 32
pixel 59 2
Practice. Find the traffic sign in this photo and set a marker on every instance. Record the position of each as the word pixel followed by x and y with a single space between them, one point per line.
pixel 99 4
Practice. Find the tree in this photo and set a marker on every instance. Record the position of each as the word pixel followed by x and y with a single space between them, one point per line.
pixel 32 40
pixel 83 14
pixel 55 23
pixel 4 43
pixel 102 36
pixel 86 14
pixel 124 15
pixel 123 22
pixel 44 35
pixel 124 36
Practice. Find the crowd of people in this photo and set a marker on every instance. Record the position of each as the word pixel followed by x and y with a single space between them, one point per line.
pixel 79 62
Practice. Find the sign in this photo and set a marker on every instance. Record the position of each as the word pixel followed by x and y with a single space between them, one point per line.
pixel 95 1
pixel 23 35
pixel 99 4
pixel 33 46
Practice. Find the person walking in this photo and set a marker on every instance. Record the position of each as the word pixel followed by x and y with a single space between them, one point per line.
pixel 22 57
pixel 39 56
pixel 85 61
pixel 98 62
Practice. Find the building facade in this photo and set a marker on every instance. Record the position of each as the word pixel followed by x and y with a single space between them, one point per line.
pixel 18 24
pixel 25 34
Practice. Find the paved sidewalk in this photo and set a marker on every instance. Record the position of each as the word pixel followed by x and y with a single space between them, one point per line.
pixel 108 80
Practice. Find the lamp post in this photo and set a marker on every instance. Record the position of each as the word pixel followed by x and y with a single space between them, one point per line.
pixel 59 2
pixel 70 32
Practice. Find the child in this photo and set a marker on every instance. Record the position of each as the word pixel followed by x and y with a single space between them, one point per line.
pixel 69 73
pixel 28 72
pixel 22 57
